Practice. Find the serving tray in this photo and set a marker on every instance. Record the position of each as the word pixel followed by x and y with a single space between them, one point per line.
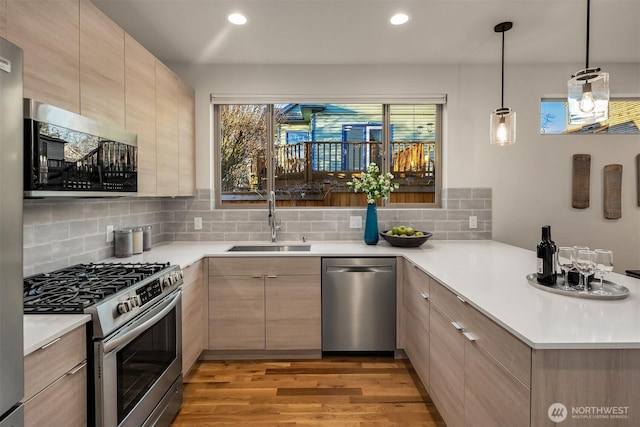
pixel 615 291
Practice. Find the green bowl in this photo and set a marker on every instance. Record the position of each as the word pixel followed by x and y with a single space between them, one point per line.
pixel 405 242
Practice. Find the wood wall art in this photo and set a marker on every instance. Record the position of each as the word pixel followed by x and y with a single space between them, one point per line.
pixel 613 191
pixel 581 177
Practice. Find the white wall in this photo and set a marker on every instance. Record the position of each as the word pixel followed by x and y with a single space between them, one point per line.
pixel 531 180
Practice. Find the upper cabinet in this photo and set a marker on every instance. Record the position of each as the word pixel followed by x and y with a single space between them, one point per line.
pixel 187 139
pixel 48 32
pixel 101 67
pixel 140 101
pixel 78 59
pixel 167 131
pixel 3 18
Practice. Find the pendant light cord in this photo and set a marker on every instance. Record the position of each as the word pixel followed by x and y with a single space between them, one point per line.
pixel 502 85
pixel 588 25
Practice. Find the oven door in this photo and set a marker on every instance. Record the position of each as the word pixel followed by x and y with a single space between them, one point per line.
pixel 138 369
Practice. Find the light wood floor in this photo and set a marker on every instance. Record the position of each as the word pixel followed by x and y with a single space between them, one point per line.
pixel 340 392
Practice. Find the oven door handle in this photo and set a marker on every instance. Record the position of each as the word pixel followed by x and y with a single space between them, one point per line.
pixel 129 335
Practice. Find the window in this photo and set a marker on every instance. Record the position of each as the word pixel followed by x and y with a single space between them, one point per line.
pixel 624 118
pixel 308 152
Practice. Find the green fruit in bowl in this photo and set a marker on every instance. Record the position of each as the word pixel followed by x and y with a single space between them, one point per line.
pixel 395 231
pixel 419 234
pixel 410 231
pixel 402 230
pixel 390 233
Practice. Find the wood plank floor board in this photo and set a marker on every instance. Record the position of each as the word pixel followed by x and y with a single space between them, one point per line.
pixel 344 392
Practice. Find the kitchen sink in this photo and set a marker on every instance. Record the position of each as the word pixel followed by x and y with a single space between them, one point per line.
pixel 270 248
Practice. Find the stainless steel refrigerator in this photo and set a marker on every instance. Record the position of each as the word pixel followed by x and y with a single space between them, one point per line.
pixel 11 282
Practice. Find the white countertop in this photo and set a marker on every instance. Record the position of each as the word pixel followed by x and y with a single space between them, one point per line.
pixel 488 275
pixel 41 329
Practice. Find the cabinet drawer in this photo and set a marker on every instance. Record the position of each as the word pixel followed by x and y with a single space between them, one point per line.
pixel 51 361
pixel 63 403
pixel 192 273
pixel 235 266
pixel 449 303
pixel 416 277
pixel 507 349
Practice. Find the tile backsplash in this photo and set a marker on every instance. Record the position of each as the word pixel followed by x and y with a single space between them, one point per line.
pixel 59 233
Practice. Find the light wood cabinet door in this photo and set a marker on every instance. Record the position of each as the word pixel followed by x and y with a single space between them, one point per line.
pixel 53 360
pixel 167 147
pixel 3 18
pixel 55 382
pixel 236 313
pixel 140 101
pixel 293 310
pixel 49 33
pixel 416 319
pixel 101 67
pixel 63 403
pixel 446 367
pixel 193 315
pixel 187 139
pixel 493 397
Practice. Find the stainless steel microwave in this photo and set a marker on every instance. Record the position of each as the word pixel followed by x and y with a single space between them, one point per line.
pixel 66 154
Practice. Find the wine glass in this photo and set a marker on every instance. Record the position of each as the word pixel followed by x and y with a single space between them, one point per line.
pixel 565 262
pixel 580 284
pixel 604 264
pixel 586 265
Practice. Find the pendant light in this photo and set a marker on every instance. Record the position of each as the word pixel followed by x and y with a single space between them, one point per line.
pixel 503 120
pixel 588 99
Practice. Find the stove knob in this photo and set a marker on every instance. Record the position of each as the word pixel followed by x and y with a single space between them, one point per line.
pixel 124 307
pixel 135 301
pixel 166 282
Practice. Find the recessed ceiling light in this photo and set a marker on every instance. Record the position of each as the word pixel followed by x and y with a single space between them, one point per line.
pixel 399 19
pixel 237 19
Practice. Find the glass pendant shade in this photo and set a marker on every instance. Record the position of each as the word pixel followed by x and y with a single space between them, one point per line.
pixel 588 99
pixel 503 127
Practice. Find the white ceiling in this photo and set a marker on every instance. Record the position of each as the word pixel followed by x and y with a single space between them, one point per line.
pixel 358 31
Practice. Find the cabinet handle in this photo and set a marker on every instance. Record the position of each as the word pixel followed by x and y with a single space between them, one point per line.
pixel 256 277
pixel 50 344
pixel 77 368
pixel 272 276
pixel 456 325
pixel 469 336
pixel 460 298
pixel 424 295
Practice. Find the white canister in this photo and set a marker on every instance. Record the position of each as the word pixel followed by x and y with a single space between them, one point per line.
pixel 137 240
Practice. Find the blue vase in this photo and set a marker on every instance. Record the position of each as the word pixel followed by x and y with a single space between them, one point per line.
pixel 371 225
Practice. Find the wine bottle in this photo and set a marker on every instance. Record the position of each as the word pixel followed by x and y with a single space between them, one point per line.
pixel 546 253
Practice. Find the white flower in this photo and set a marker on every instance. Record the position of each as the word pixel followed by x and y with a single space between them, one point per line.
pixel 373 183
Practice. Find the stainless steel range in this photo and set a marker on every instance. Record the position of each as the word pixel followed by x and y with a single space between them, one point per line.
pixel 136 335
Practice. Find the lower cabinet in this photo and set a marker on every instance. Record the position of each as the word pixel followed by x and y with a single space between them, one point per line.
pixel 55 379
pixel 416 319
pixel 194 315
pixel 264 303
pixel 479 374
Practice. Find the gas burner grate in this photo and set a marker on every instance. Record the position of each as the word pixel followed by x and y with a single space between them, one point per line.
pixel 72 289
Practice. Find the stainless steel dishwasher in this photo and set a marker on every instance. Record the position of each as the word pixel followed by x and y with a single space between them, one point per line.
pixel 358 304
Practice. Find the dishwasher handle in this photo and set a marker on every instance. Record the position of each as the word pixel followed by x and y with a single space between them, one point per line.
pixel 359 269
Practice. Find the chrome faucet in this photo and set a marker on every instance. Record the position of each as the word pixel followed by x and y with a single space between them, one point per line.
pixel 273 222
